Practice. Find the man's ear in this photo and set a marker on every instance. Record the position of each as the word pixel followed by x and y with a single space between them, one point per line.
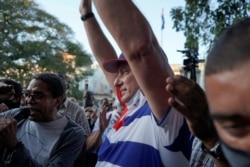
pixel 59 101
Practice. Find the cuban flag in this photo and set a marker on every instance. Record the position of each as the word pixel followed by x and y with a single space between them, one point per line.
pixel 163 20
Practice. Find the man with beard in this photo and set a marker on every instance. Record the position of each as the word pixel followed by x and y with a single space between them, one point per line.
pixel 45 137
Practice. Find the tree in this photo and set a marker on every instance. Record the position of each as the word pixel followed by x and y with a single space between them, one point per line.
pixel 33 41
pixel 202 21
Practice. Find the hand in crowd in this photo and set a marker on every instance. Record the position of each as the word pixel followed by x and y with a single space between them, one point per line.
pixel 190 100
pixel 103 120
pixel 3 107
pixel 94 115
pixel 6 91
pixel 8 129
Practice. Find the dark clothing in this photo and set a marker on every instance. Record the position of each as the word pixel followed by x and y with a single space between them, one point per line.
pixel 63 154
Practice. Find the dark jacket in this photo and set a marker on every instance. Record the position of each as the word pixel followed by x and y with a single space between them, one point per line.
pixel 64 153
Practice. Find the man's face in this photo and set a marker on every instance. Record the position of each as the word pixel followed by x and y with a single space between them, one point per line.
pixel 228 95
pixel 88 114
pixel 39 98
pixel 126 82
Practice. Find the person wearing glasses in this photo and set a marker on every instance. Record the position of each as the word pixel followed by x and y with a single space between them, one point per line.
pixel 43 137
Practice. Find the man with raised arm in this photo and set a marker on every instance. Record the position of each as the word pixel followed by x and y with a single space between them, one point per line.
pixel 149 132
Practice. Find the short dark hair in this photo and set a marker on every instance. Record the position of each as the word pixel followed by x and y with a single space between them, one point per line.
pixel 231 50
pixel 54 83
pixel 89 99
pixel 64 77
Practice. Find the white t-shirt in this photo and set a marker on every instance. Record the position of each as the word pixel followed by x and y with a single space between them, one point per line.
pixel 40 137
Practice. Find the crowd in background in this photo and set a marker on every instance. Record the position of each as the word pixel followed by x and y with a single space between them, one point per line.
pixel 84 112
pixel 156 119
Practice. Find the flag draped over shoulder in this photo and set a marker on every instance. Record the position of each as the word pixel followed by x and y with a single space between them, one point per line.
pixel 163 20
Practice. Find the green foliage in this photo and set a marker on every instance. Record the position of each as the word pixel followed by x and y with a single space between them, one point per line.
pixel 202 21
pixel 33 41
pixel 74 92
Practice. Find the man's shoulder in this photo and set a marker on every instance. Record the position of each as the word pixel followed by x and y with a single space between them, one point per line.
pixel 71 109
pixel 17 112
pixel 74 127
pixel 73 105
pixel 12 111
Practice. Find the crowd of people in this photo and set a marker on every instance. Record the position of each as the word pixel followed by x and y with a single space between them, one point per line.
pixel 155 120
pixel 47 126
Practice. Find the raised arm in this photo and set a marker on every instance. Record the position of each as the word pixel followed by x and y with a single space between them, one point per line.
pixel 95 139
pixel 137 41
pixel 100 46
pixel 190 100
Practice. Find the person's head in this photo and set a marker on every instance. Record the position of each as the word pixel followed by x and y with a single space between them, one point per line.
pixel 16 100
pixel 91 114
pixel 73 99
pixel 44 94
pixel 89 111
pixel 228 85
pixel 89 98
pixel 125 80
pixel 64 78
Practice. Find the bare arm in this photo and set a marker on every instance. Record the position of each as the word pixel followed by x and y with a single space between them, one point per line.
pixel 98 42
pixel 190 100
pixel 135 38
pixel 94 141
